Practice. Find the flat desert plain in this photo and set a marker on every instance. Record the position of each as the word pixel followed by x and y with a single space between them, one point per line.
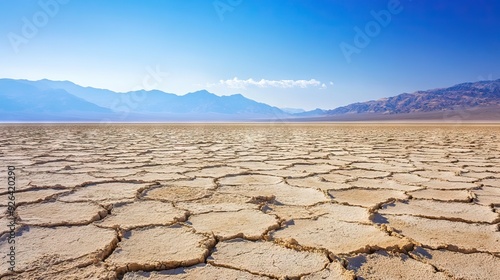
pixel 251 201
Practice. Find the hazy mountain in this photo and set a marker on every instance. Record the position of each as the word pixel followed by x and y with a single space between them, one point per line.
pixel 22 101
pixel 101 97
pixel 155 101
pixel 458 97
pixel 312 113
pixel 66 99
pixel 292 110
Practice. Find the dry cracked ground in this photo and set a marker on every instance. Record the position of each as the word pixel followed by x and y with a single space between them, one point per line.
pixel 269 201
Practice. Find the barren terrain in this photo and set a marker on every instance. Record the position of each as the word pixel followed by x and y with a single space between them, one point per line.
pixel 252 201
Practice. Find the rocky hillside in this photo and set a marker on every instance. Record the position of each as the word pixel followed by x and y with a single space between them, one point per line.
pixel 461 96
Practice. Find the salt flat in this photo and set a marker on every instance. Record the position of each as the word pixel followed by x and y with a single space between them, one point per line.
pixel 252 201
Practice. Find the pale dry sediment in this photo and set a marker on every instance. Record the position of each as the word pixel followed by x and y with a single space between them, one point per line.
pixel 250 201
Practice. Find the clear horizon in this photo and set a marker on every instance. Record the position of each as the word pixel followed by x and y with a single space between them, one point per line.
pixel 292 54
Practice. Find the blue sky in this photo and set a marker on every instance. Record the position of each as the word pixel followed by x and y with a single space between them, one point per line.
pixel 296 53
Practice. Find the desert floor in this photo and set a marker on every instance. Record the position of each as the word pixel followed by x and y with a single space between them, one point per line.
pixel 252 201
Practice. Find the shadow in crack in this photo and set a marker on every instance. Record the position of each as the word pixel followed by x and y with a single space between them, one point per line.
pixel 379 219
pixel 356 263
pixel 421 252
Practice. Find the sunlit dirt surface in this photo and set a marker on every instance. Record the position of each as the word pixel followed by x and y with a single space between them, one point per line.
pixel 252 201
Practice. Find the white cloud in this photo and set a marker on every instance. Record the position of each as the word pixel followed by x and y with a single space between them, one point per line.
pixel 241 84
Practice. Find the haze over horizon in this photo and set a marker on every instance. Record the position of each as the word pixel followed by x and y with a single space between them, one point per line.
pixel 284 53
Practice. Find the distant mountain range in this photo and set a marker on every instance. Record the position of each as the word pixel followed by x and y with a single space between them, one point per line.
pixel 462 96
pixel 45 100
pixel 466 102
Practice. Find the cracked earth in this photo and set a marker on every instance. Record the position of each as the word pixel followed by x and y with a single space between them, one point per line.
pixel 267 201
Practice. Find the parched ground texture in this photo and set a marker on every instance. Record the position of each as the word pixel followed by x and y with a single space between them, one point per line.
pixel 252 201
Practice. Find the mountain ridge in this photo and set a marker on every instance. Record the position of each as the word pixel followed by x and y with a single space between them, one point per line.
pixel 460 96
pixel 62 100
pixel 138 105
